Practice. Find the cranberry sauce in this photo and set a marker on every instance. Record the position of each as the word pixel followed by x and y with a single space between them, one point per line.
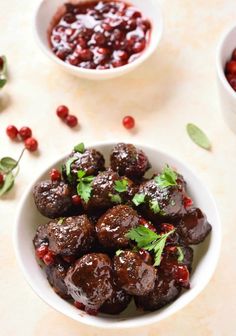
pixel 100 34
pixel 230 70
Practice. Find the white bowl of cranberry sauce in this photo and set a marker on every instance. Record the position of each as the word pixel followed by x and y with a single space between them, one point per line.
pixel 118 249
pixel 98 39
pixel 226 76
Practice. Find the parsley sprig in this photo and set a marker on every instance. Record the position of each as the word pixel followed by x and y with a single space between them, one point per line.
pixel 3 72
pixel 167 178
pixel 150 241
pixel 121 185
pixel 84 186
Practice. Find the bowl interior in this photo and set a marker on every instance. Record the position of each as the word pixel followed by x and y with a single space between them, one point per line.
pixel 205 258
pixel 47 9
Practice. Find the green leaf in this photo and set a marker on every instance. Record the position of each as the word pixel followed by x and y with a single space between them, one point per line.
pixel 8 183
pixel 88 179
pixel 121 186
pixel 180 253
pixel 115 198
pixel 118 252
pixel 150 241
pixel 198 136
pixel 142 236
pixel 138 199
pixel 7 164
pixel 167 178
pixel 61 220
pixel 3 72
pixel 84 190
pixel 68 165
pixel 80 148
pixel 154 206
pixel 81 174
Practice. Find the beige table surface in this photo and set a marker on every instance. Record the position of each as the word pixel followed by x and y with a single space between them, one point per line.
pixel 177 85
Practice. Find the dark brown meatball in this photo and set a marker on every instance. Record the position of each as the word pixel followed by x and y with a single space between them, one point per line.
pixel 194 227
pixel 52 199
pixel 118 302
pixel 113 226
pixel 102 190
pixel 165 291
pixel 90 280
pixel 67 236
pixel 56 273
pixel 133 274
pixel 91 161
pixel 170 200
pixel 127 160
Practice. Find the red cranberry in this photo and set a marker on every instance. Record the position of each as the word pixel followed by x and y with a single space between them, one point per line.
pixel 25 132
pixel 62 111
pixel 82 44
pixel 41 251
pixel 107 27
pixel 1 179
pixel 91 311
pixel 31 144
pixel 71 120
pixel 1 63
pixel 79 305
pixel 48 259
pixel 73 60
pixel 166 227
pixel 232 80
pixel 85 54
pixel 231 67
pixel 187 202
pixel 147 224
pixel 128 122
pixel 62 53
pixel 12 131
pixel 99 38
pixel 118 63
pixel 55 175
pixel 103 51
pixel 139 46
pixel 69 18
pixel 182 275
pixel 76 199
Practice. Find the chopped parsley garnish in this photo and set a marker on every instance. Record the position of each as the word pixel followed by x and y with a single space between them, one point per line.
pixel 121 185
pixel 115 198
pixel 138 199
pixel 80 148
pixel 150 241
pixel 180 253
pixel 167 178
pixel 68 165
pixel 118 252
pixel 61 220
pixel 155 207
pixel 84 186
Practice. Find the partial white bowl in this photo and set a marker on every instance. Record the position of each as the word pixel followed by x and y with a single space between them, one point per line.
pixel 205 256
pixel 227 94
pixel 47 9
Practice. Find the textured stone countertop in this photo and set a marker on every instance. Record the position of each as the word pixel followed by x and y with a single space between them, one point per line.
pixel 176 86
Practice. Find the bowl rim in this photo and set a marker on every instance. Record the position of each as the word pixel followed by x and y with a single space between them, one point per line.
pixel 219 67
pixel 148 51
pixel 129 323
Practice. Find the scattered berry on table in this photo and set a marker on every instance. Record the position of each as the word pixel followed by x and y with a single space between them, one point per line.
pixel 12 131
pixel 25 132
pixel 62 111
pixel 31 144
pixel 71 120
pixel 128 122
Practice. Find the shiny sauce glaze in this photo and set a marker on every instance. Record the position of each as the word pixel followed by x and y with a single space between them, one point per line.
pixel 99 34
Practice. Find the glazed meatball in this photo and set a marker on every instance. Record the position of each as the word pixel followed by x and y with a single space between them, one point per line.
pixel 91 161
pixel 53 199
pixel 118 302
pixel 56 273
pixel 103 188
pixel 194 227
pixel 90 280
pixel 127 160
pixel 113 226
pixel 133 274
pixel 66 236
pixel 166 290
pixel 170 201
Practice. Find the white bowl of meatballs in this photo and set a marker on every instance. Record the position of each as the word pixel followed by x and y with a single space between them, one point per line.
pixel 117 235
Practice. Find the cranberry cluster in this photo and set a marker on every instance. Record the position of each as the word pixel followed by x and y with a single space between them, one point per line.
pixel 230 70
pixel 100 34
pixel 24 134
